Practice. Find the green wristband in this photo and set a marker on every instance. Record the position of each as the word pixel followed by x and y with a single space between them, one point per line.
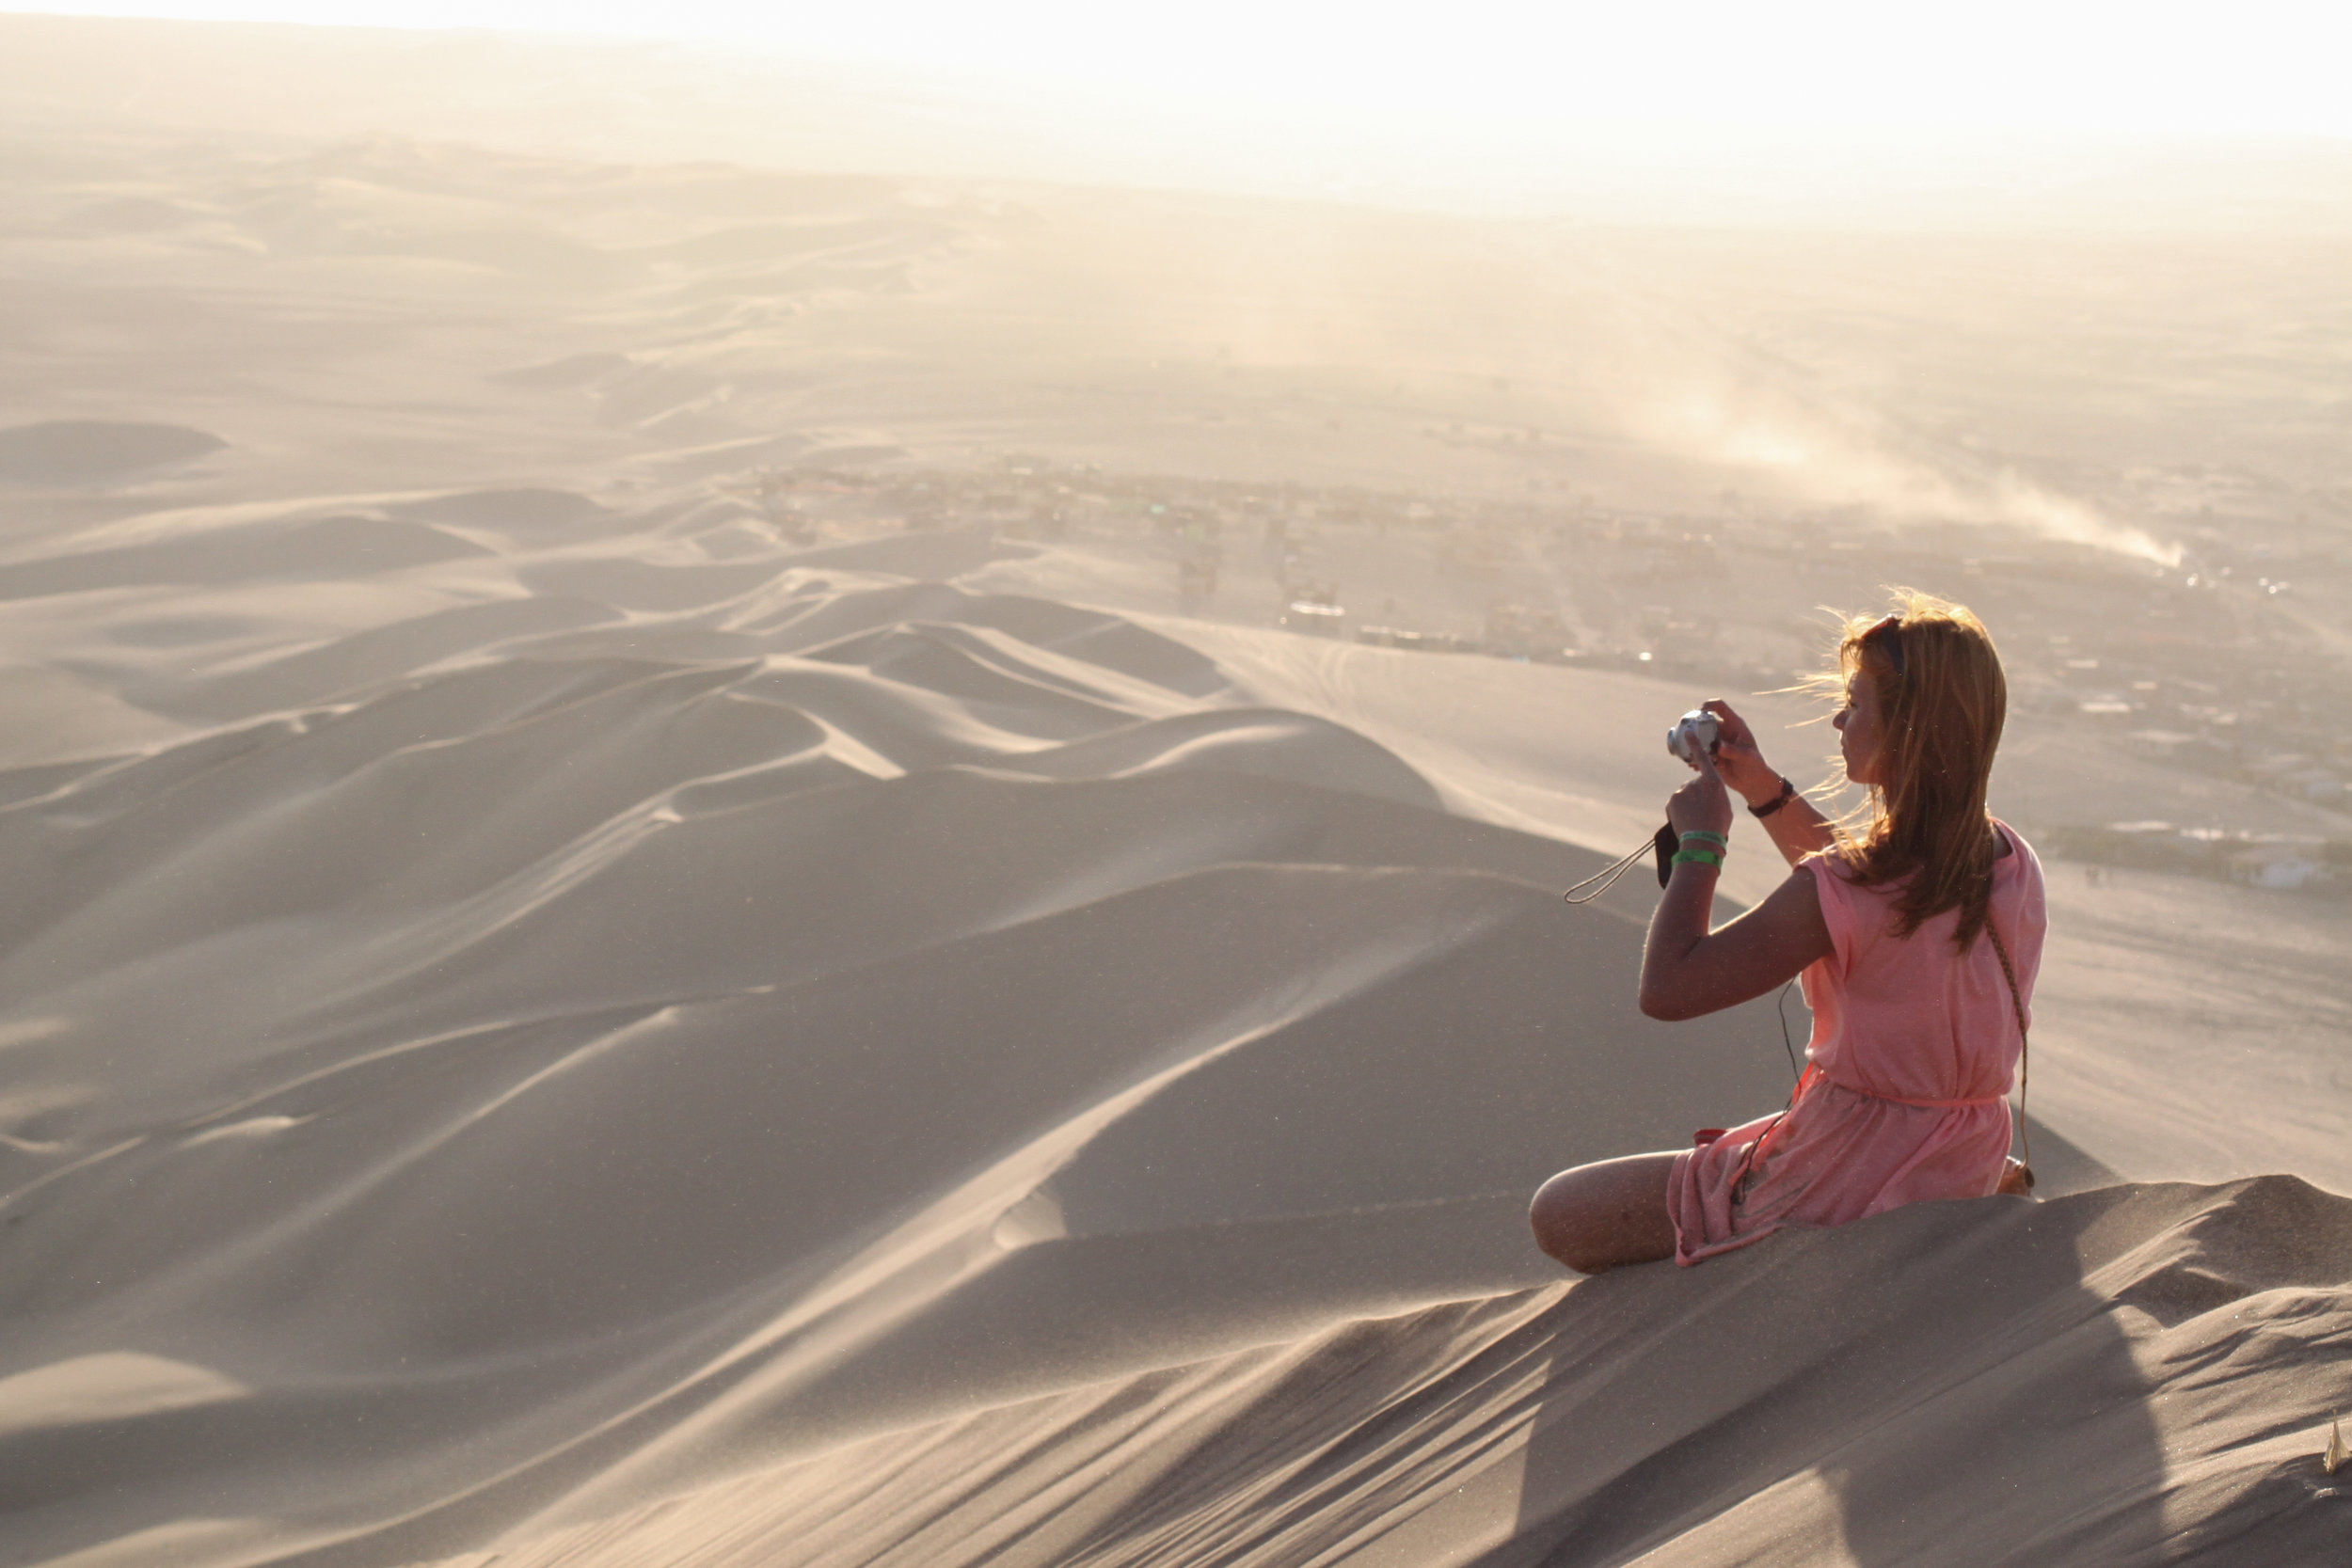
pixel 1710 837
pixel 1697 857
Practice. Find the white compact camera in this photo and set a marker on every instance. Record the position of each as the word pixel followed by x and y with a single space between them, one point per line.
pixel 1698 728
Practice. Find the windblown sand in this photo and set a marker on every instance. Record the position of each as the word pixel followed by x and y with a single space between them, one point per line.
pixel 543 1024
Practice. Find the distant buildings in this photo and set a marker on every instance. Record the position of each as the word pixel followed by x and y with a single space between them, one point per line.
pixel 2268 861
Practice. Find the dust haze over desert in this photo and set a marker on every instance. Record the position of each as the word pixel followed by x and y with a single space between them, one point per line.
pixel 802 800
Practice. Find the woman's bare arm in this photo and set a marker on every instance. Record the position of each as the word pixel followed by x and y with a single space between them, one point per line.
pixel 1689 971
pixel 1686 970
pixel 1797 830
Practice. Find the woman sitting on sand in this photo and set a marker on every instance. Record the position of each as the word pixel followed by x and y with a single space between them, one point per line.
pixel 1916 1036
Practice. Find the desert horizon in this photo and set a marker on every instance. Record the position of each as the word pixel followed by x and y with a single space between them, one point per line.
pixel 782 809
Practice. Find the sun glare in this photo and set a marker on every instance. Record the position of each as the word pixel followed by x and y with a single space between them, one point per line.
pixel 2264 68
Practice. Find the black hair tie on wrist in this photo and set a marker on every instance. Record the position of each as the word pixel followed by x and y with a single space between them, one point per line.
pixel 1787 793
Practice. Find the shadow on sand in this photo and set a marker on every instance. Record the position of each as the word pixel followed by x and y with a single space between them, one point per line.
pixel 2108 1378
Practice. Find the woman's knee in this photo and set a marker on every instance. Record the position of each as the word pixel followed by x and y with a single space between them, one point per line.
pixel 1601 1216
pixel 1570 1221
pixel 1551 1214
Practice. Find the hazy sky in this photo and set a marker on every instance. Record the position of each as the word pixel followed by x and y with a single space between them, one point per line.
pixel 2253 66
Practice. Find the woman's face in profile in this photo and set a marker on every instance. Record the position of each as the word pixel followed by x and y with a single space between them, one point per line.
pixel 1858 730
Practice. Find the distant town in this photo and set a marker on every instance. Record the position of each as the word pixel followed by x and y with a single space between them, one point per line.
pixel 2216 665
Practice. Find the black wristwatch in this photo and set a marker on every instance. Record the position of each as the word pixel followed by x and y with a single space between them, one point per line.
pixel 1787 793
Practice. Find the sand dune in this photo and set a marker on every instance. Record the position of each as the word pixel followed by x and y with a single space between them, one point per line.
pixel 74 453
pixel 766 878
pixel 2084 1402
pixel 674 1061
pixel 577 989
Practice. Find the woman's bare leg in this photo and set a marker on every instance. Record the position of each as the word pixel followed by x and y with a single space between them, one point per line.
pixel 1605 1214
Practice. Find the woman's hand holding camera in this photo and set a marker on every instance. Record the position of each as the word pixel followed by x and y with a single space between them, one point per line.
pixel 1703 805
pixel 1737 759
pixel 1795 826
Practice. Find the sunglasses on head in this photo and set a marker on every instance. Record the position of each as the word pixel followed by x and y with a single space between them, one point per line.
pixel 1892 640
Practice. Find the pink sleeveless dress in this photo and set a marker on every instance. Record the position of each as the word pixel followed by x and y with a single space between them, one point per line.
pixel 1904 1096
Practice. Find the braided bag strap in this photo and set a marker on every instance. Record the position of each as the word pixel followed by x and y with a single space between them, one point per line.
pixel 2017 1006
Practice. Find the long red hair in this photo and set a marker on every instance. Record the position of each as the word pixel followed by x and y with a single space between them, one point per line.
pixel 1926 824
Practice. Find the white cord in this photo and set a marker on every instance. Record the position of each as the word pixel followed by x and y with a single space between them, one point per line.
pixel 1609 872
